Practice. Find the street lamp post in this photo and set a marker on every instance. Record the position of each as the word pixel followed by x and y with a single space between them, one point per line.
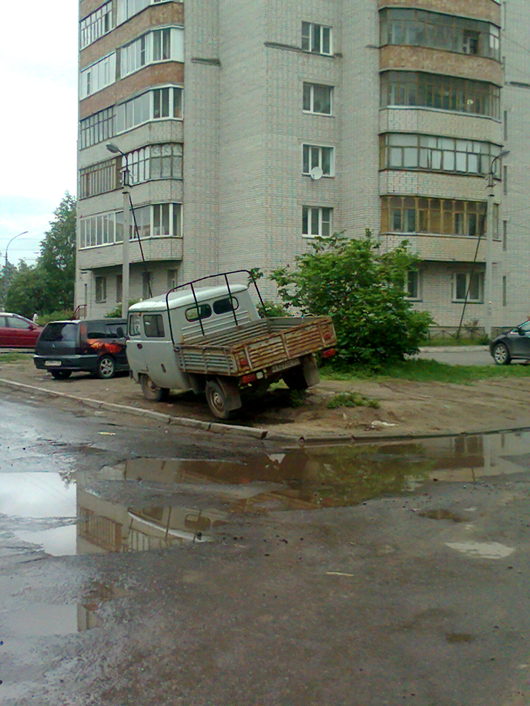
pixel 126 227
pixel 488 287
pixel 6 262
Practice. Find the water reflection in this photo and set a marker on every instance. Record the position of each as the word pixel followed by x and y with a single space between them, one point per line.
pixel 200 496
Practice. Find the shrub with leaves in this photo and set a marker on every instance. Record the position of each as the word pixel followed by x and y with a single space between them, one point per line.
pixel 363 290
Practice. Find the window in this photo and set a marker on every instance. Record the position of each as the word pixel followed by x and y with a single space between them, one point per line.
pixel 128 8
pixel 412 285
pixel 470 42
pixel 96 128
pixel 172 279
pixel 147 290
pixel 505 235
pixel 411 88
pixel 415 214
pixel 222 306
pixel 134 327
pixel 98 178
pixel 119 288
pixel 316 221
pixel 317 98
pixel 154 162
pixel 154 220
pixel 97 76
pixel 202 311
pixel 437 31
pixel 504 290
pixel 315 156
pixel 101 289
pixel 468 285
pixel 316 38
pixel 152 105
pixel 153 326
pixel 95 25
pixel 446 154
pixel 158 45
pixel 15 322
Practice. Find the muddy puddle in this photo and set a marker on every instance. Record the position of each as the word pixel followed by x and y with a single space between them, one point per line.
pixel 65 515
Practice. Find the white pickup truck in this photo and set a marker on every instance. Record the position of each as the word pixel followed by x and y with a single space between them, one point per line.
pixel 211 340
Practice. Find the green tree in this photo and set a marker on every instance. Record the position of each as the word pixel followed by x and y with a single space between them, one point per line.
pixel 363 290
pixel 48 286
pixel 27 291
pixel 57 256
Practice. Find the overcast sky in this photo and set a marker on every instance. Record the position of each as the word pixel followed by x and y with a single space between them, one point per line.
pixel 38 119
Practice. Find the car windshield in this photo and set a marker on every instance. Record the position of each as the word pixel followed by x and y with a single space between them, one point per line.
pixel 525 326
pixel 60 332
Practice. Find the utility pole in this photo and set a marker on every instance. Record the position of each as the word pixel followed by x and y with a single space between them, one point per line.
pixel 488 284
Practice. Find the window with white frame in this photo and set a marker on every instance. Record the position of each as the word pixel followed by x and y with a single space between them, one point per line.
pixel 96 128
pixel 98 76
pixel 98 178
pixel 128 8
pixel 154 162
pixel 316 38
pixel 412 285
pixel 156 104
pixel 318 98
pixel 95 25
pixel 317 156
pixel 101 289
pixel 316 221
pixel 468 286
pixel 165 44
pixel 154 220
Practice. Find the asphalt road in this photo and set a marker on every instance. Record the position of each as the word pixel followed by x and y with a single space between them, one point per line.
pixel 143 565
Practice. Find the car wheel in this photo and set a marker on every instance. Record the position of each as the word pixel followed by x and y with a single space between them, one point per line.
pixel 294 378
pixel 61 374
pixel 217 400
pixel 153 392
pixel 501 354
pixel 106 367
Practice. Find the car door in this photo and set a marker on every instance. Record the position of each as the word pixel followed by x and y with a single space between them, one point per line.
pixel 3 331
pixel 22 331
pixel 520 340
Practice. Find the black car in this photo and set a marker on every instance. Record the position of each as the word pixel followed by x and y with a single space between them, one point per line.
pixel 512 345
pixel 96 346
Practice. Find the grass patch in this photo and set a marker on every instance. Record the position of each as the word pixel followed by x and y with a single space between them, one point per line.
pixel 351 399
pixel 427 371
pixel 13 357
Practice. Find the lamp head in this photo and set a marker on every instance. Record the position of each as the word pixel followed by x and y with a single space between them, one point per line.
pixel 113 148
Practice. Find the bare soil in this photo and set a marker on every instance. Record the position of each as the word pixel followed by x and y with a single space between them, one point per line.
pixel 405 407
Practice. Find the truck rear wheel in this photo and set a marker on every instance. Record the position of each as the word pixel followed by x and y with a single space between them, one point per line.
pixel 152 392
pixel 222 398
pixel 294 378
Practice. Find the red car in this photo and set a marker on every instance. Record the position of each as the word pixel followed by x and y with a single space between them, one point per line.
pixel 18 332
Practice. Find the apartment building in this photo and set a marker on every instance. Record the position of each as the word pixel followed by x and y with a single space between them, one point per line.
pixel 248 128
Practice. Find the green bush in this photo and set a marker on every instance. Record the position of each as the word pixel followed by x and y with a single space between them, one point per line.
pixel 63 315
pixel 116 312
pixel 363 290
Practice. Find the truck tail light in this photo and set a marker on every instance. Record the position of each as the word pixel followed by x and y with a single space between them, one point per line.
pixel 243 362
pixel 329 352
pixel 328 335
pixel 251 377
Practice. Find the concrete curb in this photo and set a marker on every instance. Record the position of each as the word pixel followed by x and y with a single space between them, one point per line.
pixel 254 432
pixel 453 349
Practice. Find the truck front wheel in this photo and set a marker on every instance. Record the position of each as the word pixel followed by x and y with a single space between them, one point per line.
pixel 222 398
